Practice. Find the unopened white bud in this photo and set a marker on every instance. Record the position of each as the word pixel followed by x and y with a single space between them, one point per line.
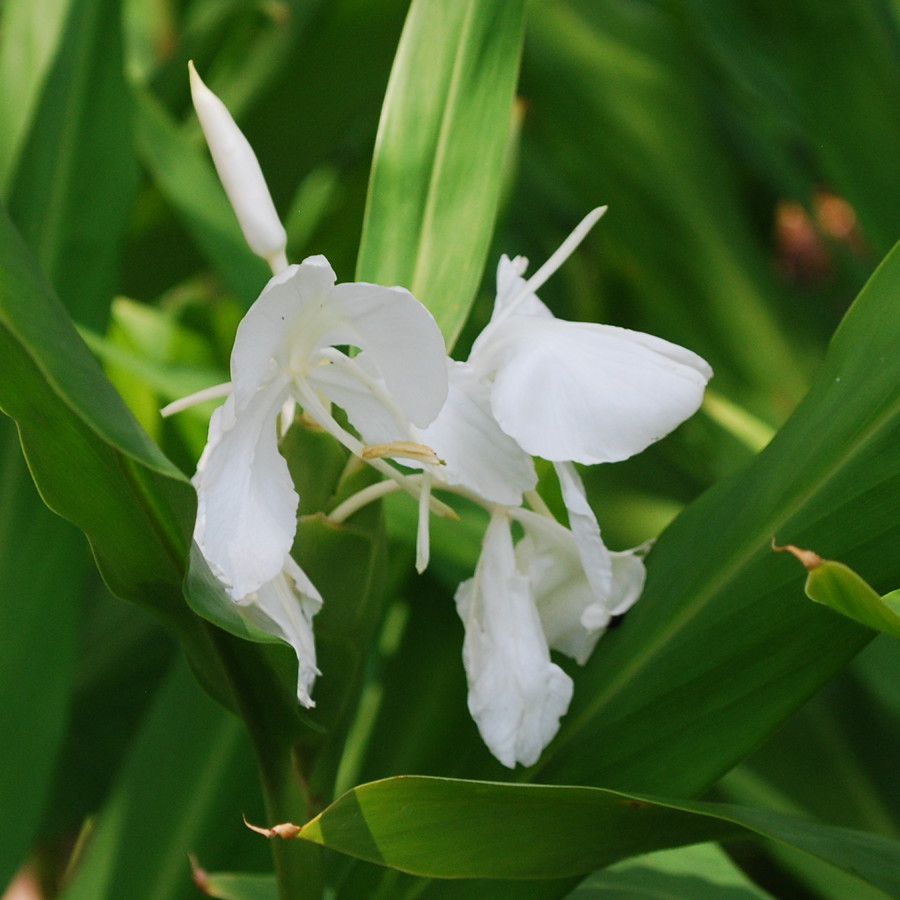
pixel 240 175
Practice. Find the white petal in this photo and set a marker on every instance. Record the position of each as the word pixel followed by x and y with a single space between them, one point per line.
pixel 572 616
pixel 629 575
pixel 403 341
pixel 288 322
pixel 357 388
pixel 595 558
pixel 516 695
pixel 476 453
pixel 239 173
pixel 285 607
pixel 246 503
pixel 590 393
pixel 510 285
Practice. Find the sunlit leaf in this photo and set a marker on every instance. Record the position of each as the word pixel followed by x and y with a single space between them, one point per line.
pixel 438 162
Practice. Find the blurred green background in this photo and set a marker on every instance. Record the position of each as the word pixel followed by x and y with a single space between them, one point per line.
pixel 748 151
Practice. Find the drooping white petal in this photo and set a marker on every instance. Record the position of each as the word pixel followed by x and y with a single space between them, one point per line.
pixel 476 453
pixel 516 695
pixel 240 175
pixel 572 615
pixel 246 503
pixel 285 607
pixel 589 393
pixel 402 340
pixel 595 558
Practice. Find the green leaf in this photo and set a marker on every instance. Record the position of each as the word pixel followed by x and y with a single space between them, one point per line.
pixel 42 571
pixel 720 648
pixel 29 41
pixel 687 873
pixel 234 886
pixel 76 178
pixel 838 586
pixel 444 828
pixel 91 461
pixel 189 777
pixel 439 157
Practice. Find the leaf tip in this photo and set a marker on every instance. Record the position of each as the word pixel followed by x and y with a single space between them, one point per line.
pixel 809 558
pixel 285 830
pixel 199 875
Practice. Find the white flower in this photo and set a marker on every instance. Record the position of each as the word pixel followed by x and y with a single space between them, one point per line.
pixel 285 607
pixel 286 350
pixel 521 603
pixel 240 175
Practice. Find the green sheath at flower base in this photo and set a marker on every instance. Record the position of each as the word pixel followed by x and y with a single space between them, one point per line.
pixel 838 586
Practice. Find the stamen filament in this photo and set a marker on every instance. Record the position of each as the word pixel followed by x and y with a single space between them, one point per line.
pixel 210 393
pixel 423 546
pixel 562 253
pixel 538 504
pixel 316 410
pixel 373 386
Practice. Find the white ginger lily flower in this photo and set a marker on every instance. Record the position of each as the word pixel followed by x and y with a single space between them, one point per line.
pixel 286 350
pixel 522 602
pixel 573 614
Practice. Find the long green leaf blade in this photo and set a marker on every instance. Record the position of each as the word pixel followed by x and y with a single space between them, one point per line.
pixel 438 163
pixel 444 828
pixel 722 646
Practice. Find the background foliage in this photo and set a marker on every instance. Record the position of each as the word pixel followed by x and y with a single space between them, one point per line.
pixel 747 152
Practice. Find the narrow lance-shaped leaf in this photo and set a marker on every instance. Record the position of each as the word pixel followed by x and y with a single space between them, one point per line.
pixel 72 191
pixel 721 649
pixel 439 156
pixel 91 461
pixel 41 575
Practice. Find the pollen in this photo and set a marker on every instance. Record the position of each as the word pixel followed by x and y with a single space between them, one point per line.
pixel 402 450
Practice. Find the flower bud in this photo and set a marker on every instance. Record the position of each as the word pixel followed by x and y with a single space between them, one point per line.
pixel 240 175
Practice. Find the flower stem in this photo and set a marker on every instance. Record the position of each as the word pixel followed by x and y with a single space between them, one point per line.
pixel 272 729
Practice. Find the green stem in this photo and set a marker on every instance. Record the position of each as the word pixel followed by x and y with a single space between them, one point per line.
pixel 272 729
pixel 298 864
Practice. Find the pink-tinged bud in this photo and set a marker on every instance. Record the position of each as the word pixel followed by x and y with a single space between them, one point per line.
pixel 240 175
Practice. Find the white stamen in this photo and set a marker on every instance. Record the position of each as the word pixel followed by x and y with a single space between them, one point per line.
pixel 210 393
pixel 563 252
pixel 423 546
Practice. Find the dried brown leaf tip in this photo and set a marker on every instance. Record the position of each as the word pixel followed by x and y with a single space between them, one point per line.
pixel 286 830
pixel 199 875
pixel 809 559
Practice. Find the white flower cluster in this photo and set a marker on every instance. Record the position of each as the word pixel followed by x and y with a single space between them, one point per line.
pixel 533 386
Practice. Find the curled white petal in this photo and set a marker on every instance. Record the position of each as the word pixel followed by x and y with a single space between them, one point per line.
pixel 516 695
pixel 402 340
pixel 240 175
pixel 595 558
pixel 285 607
pixel 574 391
pixel 572 616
